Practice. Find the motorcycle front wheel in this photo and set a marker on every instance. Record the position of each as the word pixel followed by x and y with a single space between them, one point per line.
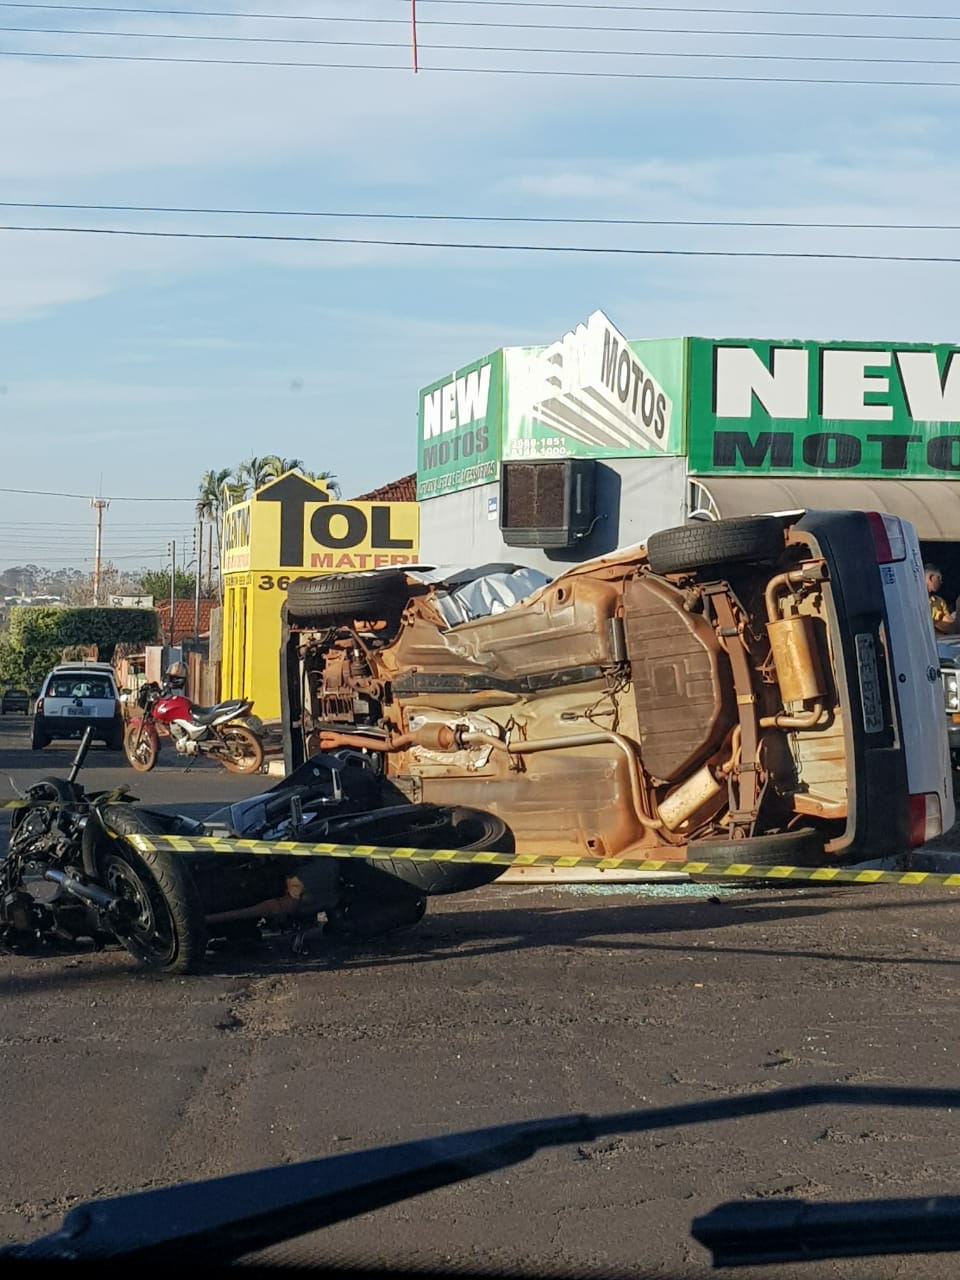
pixel 141 746
pixel 162 922
pixel 240 751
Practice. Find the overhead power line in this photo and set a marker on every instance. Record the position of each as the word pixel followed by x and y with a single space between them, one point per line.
pixel 146 528
pixel 885 83
pixel 50 493
pixel 619 29
pixel 620 250
pixel 673 8
pixel 485 48
pixel 504 4
pixel 488 218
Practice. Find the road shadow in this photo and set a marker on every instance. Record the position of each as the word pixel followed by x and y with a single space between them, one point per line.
pixel 639 927
pixel 674 928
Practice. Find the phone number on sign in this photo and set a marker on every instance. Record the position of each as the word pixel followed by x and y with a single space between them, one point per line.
pixel 551 447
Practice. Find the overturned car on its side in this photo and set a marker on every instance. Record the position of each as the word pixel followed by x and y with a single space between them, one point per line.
pixel 764 690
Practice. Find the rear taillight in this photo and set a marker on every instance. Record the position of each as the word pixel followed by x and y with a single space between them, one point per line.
pixel 38 709
pixel 925 820
pixel 888 537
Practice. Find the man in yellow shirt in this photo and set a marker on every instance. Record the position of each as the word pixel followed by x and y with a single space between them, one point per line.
pixel 943 620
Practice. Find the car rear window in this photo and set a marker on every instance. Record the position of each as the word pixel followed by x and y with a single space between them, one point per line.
pixel 80 687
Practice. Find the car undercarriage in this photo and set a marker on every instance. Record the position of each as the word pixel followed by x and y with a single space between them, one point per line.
pixel 663 696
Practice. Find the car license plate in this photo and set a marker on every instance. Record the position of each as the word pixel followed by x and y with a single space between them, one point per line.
pixel 869 683
pixel 79 711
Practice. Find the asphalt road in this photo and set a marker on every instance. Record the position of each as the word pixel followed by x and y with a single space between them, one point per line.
pixel 505 1004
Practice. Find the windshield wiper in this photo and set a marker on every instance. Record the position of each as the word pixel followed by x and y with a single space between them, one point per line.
pixel 223 1219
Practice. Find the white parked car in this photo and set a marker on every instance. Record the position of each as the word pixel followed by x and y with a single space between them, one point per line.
pixel 74 696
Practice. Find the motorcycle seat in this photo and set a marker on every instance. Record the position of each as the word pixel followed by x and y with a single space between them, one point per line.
pixel 206 715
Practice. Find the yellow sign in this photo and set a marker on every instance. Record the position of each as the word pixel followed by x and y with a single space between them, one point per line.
pixel 295 524
pixel 235 538
pixel 291 528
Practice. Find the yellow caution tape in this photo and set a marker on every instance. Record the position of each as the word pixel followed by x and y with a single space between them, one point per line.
pixel 300 849
pixel 734 870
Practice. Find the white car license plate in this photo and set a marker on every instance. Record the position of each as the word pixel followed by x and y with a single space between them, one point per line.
pixel 79 711
pixel 869 683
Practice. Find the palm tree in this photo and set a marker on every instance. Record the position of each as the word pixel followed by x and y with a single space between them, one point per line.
pixel 211 501
pixel 255 472
pixel 332 483
pixel 278 466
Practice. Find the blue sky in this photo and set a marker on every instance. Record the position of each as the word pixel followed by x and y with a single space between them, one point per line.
pixel 133 365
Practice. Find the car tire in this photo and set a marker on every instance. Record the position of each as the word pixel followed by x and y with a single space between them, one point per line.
pixel 696 546
pixel 800 848
pixel 348 596
pixel 38 740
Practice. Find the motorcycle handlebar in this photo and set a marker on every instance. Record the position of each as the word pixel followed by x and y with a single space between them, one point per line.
pixel 81 755
pixel 148 694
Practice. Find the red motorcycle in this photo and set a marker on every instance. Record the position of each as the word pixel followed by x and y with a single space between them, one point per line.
pixel 217 731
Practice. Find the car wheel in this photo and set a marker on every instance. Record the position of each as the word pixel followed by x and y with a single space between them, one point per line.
pixel 800 848
pixel 696 546
pixel 38 740
pixel 348 596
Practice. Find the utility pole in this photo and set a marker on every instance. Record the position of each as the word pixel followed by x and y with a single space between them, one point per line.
pixel 172 546
pixel 198 550
pixel 99 505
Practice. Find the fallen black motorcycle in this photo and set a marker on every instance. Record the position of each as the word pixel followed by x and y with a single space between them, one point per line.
pixel 74 873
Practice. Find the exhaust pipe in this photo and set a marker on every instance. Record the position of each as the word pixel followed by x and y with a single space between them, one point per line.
pixel 85 892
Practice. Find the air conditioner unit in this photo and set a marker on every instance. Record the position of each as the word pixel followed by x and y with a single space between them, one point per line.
pixel 547 504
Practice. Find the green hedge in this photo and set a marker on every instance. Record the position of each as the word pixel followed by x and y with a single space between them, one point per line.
pixel 37 636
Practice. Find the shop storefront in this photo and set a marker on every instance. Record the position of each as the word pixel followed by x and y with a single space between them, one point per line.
pixel 533 454
pixel 294 528
pixel 673 429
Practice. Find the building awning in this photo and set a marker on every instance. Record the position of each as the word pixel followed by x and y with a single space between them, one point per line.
pixel 932 506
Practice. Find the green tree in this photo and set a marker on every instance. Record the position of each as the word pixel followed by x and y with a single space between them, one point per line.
pixel 238 484
pixel 156 583
pixel 32 645
pixel 254 473
pixel 276 466
pixel 332 483
pixel 280 466
pixel 106 628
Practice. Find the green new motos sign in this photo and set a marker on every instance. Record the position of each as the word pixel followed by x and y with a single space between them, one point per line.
pixel 865 409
